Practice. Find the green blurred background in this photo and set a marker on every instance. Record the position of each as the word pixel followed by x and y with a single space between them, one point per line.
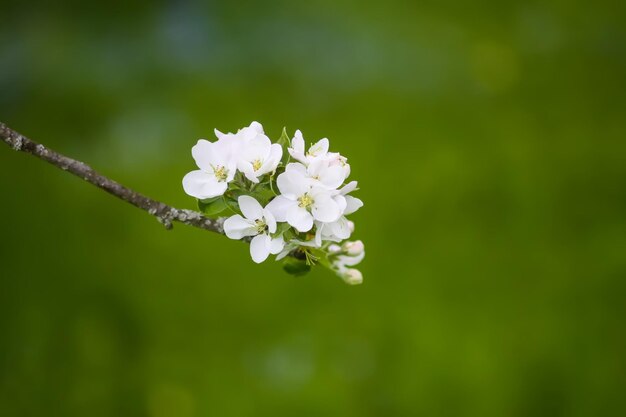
pixel 489 142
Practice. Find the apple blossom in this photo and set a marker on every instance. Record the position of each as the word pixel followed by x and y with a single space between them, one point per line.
pixel 306 202
pixel 342 228
pixel 217 169
pixel 319 149
pixel 258 222
pixel 300 203
pixel 259 157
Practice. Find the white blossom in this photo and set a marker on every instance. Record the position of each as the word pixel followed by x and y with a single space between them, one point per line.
pixel 322 173
pixel 318 153
pixel 258 222
pixel 314 197
pixel 336 159
pixel 238 141
pixel 259 157
pixel 342 228
pixel 217 168
pixel 300 202
pixel 319 149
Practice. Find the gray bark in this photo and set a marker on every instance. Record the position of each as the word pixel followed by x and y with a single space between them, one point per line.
pixel 164 213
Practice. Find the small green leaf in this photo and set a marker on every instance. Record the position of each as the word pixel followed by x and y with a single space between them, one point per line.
pixel 282 228
pixel 296 267
pixel 212 206
pixel 285 142
pixel 263 195
pixel 284 139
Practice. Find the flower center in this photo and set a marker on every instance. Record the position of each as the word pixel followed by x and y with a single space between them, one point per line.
pixel 220 173
pixel 305 201
pixel 256 164
pixel 260 226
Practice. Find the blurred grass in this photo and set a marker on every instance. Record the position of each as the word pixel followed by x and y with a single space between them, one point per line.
pixel 488 141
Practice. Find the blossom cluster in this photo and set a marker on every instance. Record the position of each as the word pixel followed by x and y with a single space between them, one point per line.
pixel 286 199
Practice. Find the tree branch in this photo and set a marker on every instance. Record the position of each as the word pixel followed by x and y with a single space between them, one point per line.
pixel 164 213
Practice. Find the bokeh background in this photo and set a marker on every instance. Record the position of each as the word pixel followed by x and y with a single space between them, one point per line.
pixel 489 142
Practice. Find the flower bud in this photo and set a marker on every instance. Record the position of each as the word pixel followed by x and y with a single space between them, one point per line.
pixel 351 226
pixel 354 248
pixel 352 276
pixel 334 248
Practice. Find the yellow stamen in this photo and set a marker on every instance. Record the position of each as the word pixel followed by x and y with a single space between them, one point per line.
pixel 220 173
pixel 260 226
pixel 305 201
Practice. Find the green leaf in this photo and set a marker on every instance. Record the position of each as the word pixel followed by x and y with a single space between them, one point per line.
pixel 284 139
pixel 212 206
pixel 282 228
pixel 285 142
pixel 263 195
pixel 296 267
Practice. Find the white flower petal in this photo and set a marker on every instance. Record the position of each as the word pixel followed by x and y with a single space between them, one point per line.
pixel 236 227
pixel 297 147
pixel 319 232
pixel 299 218
pixel 320 148
pixel 332 177
pixel 340 228
pixel 277 245
pixel 257 148
pixel 257 126
pixel 203 154
pixel 251 175
pixel 279 207
pixel 260 248
pixel 349 187
pixel 325 209
pixel 297 143
pixel 352 204
pixel 201 185
pixel 272 161
pixel 341 202
pixel 223 150
pixel 218 134
pixel 345 260
pixel 292 185
pixel 283 254
pixel 250 208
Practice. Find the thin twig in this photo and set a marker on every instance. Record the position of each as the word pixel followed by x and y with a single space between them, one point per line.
pixel 164 213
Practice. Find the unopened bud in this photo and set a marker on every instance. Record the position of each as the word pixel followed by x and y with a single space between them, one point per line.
pixel 352 276
pixel 354 248
pixel 334 248
pixel 351 226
